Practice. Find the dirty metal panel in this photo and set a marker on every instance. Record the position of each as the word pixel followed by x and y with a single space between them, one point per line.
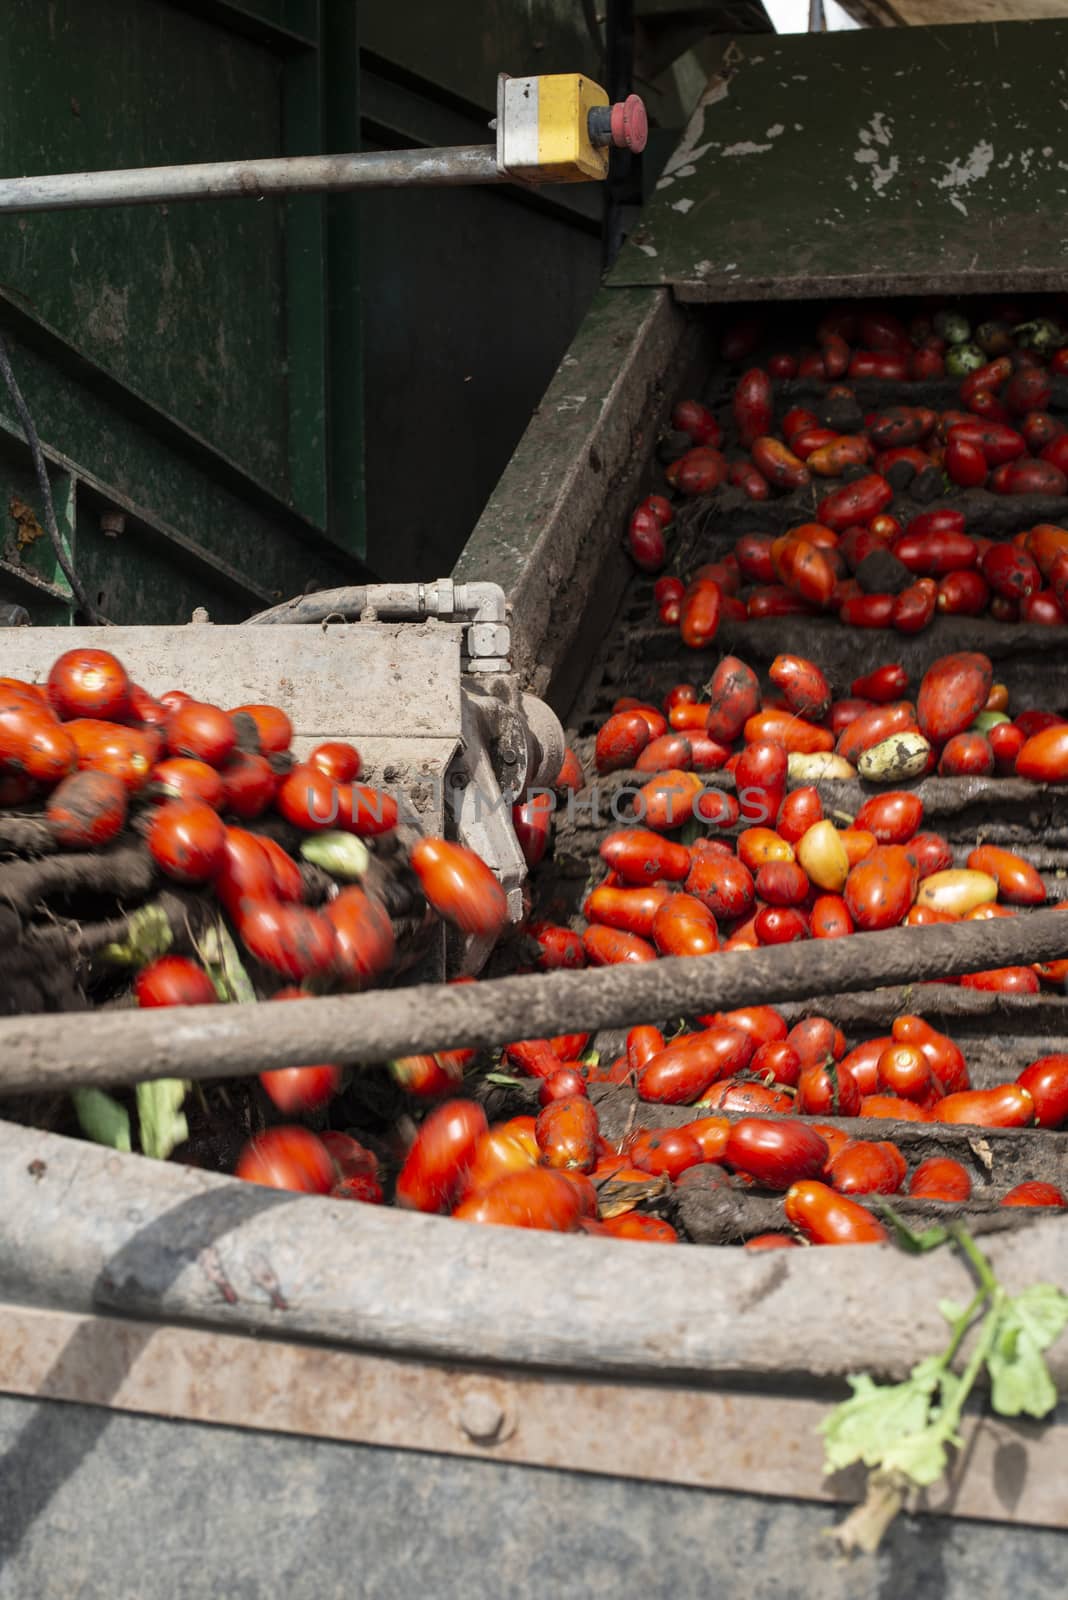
pixel 898 160
pixel 754 1442
pixel 394 691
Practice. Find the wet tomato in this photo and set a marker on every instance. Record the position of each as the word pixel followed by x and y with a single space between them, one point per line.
pixel 86 810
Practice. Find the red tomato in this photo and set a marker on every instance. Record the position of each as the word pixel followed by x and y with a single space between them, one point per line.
pixel 291 940
pixel 536 1198
pixel 762 1023
pixel 105 747
pixel 620 741
pixel 86 810
pixel 863 1062
pixel 771 1241
pixel 829 918
pixel 1003 980
pixel 667 1151
pixel 881 888
pixel 639 1227
pixel 287 1158
pixel 460 887
pixel 1046 1080
pixel 945 1058
pixel 1006 1106
pixel 640 856
pixel 684 926
pixel 632 910
pixel 828 1218
pixel 867 1167
pixel 89 683
pixel 187 840
pixel 363 936
pixel 201 731
pixel 566 1131
pixel 249 783
pixel 904 1070
pixel 893 816
pixel 778 1061
pixel 953 691
pixel 722 883
pixel 940 1178
pixel 437 1164
pixel 1034 1194
pixel 776 1154
pixel 1044 757
pixel 780 925
pixel 682 1072
pixel 932 853
pixel 299 1089
pixel 179 778
pixel 699 616
pixel 174 981
pixel 816 1041
pixel 265 728
pixel 1018 882
pixel 828 1091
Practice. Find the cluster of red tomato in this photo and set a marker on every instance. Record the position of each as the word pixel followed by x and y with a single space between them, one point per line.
pixel 958 725
pixel 97 752
pixel 556 1172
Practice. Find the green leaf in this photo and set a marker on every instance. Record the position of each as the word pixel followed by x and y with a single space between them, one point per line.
pixel 148 936
pixel 504 1080
pixel 101 1118
pixel 907 1237
pixel 878 1416
pixel 920 1457
pixel 592 1058
pixel 160 1117
pixel 951 1311
pixel 340 854
pixel 219 954
pixel 1028 1323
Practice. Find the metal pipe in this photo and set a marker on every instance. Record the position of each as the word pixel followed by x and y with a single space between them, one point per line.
pixel 252 180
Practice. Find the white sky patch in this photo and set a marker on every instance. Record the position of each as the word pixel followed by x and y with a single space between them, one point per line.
pixel 973 169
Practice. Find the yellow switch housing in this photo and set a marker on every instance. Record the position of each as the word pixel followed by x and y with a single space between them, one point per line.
pixel 543 128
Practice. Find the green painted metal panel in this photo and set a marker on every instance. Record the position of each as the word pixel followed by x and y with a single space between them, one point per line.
pixel 178 358
pixel 900 159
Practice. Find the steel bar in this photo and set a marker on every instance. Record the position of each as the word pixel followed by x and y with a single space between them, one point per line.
pixel 39 1052
pixel 252 180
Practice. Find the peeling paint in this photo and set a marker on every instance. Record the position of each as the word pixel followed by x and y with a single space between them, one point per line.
pixel 774 131
pixel 647 249
pixel 972 170
pixel 746 147
pixel 682 205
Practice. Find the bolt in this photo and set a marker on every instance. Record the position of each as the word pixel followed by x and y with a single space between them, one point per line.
pixel 481 1417
pixel 112 523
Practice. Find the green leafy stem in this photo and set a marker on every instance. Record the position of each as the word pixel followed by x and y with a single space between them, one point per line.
pixel 903 1432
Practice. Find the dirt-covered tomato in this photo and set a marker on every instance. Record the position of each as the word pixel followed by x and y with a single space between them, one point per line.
pixel 201 731
pixel 566 1131
pixel 263 728
pixel 174 981
pixel 665 1151
pixel 249 783
pixel 84 682
pixel 86 810
pixel 825 1217
pixel 294 1090
pixel 180 778
pixel 364 941
pixel 953 691
pixel 637 855
pixel 32 742
pixel 460 886
pixel 291 940
pixel 187 840
pixel 881 888
pixel 639 1227
pixel 287 1158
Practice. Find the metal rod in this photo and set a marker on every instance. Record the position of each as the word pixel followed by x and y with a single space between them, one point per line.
pixel 55 1052
pixel 252 180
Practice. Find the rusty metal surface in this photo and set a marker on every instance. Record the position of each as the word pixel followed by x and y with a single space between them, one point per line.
pixel 753 1442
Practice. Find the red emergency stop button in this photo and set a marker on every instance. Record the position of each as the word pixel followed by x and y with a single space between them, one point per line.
pixel 630 125
pixel 625 125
